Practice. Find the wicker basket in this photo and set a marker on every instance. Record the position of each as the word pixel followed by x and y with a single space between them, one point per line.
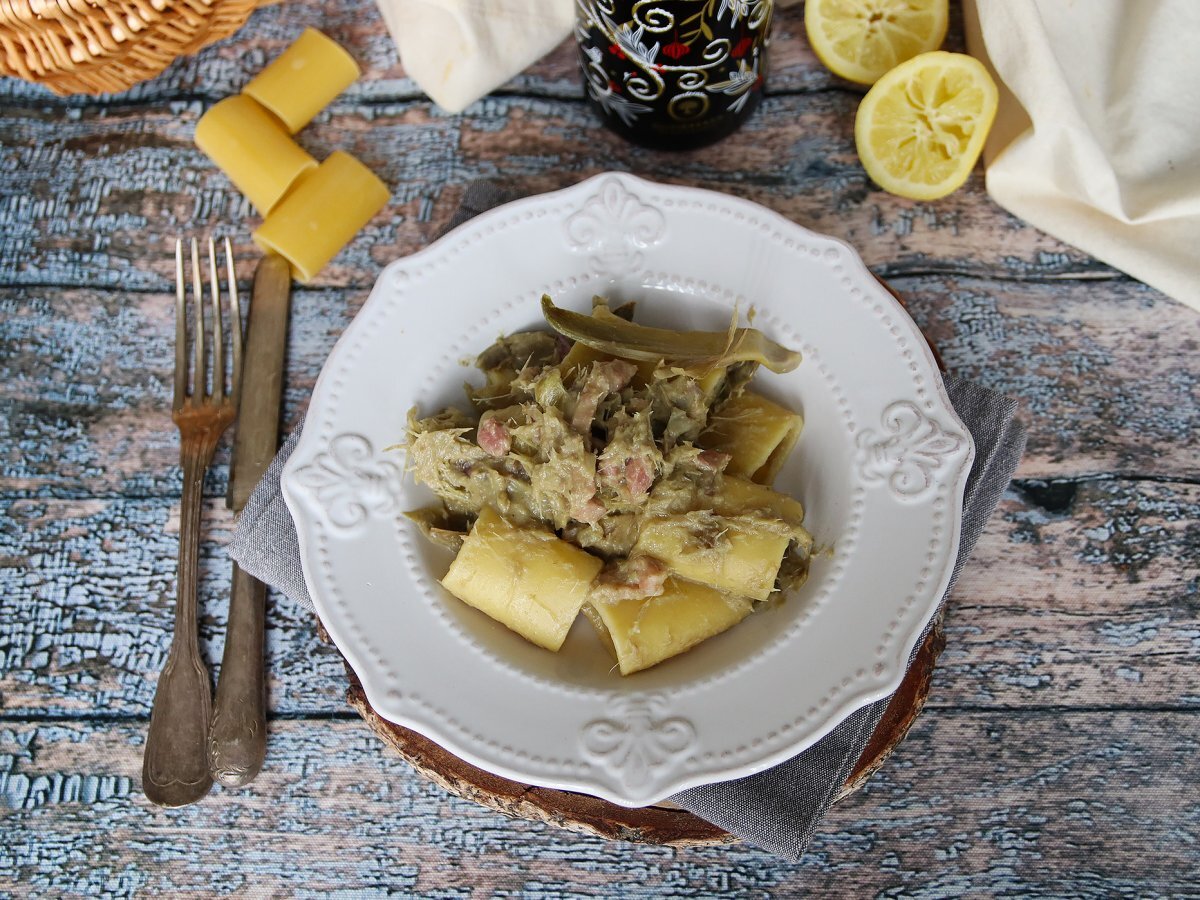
pixel 104 46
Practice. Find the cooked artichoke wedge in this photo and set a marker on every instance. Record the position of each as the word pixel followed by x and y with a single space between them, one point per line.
pixel 608 333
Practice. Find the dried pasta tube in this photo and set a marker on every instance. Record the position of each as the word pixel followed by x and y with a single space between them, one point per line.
pixel 322 213
pixel 250 146
pixel 304 79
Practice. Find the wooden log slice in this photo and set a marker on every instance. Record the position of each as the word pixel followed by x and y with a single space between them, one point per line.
pixel 652 824
pixel 661 824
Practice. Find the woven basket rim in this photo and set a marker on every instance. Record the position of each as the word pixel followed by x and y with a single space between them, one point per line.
pixel 106 46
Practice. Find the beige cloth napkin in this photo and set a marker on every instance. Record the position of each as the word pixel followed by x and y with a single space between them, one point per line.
pixel 459 50
pixel 1097 140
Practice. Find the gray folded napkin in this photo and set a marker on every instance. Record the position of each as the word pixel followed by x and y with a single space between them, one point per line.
pixel 780 808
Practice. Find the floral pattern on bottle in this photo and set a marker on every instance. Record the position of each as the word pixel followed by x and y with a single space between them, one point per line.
pixel 674 67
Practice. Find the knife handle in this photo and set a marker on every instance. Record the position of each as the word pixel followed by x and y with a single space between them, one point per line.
pixel 238 736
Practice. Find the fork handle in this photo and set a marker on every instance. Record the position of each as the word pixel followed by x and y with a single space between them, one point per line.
pixel 238 740
pixel 175 762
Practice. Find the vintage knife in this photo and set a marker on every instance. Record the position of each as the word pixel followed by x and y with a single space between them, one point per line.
pixel 237 737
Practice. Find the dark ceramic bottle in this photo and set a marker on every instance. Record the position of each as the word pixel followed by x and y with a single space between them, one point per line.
pixel 673 74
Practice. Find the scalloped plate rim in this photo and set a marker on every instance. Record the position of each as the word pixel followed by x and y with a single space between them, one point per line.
pixel 376 692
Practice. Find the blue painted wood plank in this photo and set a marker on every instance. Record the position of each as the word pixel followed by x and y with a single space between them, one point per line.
pixel 92 627
pixel 1080 601
pixel 990 803
pixel 96 194
pixel 85 377
pixel 1057 756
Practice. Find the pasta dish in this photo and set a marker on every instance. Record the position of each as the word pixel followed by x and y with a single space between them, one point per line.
pixel 618 471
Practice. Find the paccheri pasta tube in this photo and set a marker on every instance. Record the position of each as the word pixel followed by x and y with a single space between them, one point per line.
pixel 740 554
pixel 252 148
pixel 310 211
pixel 643 631
pixel 597 484
pixel 322 213
pixel 304 79
pixel 757 434
pixel 532 581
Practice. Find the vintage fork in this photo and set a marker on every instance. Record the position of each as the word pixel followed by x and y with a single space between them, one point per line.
pixel 175 764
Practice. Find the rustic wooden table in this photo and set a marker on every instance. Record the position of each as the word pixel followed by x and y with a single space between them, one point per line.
pixel 1058 753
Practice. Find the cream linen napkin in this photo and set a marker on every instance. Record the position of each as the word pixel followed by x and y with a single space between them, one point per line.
pixel 1097 140
pixel 459 50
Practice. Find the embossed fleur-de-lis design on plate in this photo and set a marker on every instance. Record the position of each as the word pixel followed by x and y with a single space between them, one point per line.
pixel 638 737
pixel 909 452
pixel 350 482
pixel 614 227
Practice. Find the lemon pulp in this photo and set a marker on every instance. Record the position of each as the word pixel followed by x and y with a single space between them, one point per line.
pixel 860 40
pixel 921 128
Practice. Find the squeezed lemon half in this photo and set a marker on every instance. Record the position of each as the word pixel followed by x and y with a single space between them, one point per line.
pixel 921 127
pixel 860 40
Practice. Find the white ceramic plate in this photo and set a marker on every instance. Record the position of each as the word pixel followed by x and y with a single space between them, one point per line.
pixel 880 467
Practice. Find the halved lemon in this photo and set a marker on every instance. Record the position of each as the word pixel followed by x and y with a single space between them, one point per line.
pixel 921 127
pixel 861 39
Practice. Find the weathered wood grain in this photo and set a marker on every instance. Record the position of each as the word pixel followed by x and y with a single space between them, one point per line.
pixel 85 377
pixel 85 399
pixel 1106 354
pixel 1082 599
pixel 1057 756
pixel 97 191
pixel 971 804
pixel 96 195
pixel 1101 610
pixel 92 629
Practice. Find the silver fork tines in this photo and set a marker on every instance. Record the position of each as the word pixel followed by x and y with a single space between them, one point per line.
pixel 200 387
pixel 175 767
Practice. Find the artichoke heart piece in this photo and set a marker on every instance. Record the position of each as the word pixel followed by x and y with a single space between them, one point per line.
pixel 525 578
pixel 643 632
pixel 439 526
pixel 581 357
pixel 611 334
